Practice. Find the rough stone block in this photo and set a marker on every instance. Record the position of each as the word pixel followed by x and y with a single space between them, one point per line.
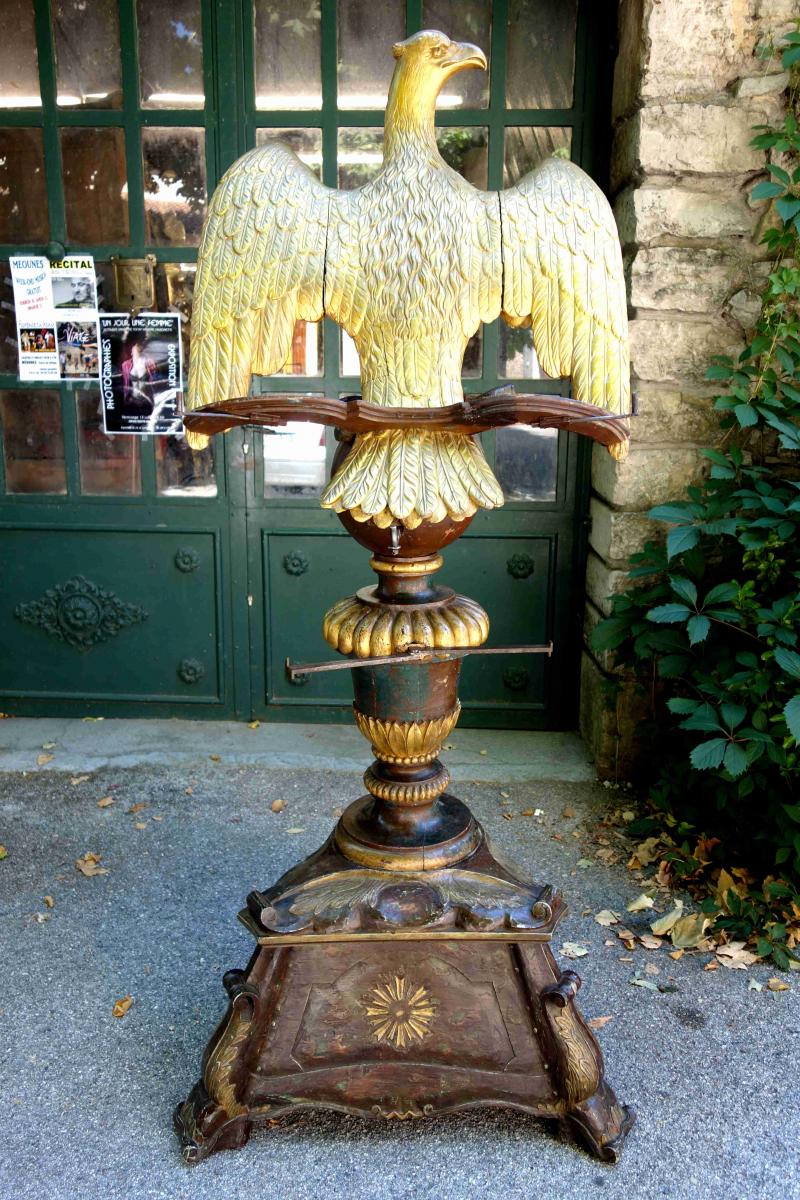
pixel 647 215
pixel 671 416
pixel 695 49
pixel 674 350
pixel 761 84
pixel 615 535
pixel 685 279
pixel 610 715
pixel 603 583
pixel 646 477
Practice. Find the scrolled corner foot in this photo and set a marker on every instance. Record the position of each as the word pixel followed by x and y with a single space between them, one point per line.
pixel 602 1123
pixel 203 1127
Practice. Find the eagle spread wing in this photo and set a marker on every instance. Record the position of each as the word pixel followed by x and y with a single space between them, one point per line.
pixel 562 275
pixel 261 268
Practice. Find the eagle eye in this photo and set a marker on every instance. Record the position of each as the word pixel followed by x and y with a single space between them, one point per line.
pixel 438 51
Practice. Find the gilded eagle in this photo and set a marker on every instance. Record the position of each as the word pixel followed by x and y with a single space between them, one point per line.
pixel 409 265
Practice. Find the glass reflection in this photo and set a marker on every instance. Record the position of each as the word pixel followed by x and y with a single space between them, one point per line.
pixel 287 54
pixel 305 356
pixel 466 150
pixel 541 53
pixel 86 40
pixel 359 156
pixel 109 465
pixel 306 143
pixel 33 442
pixel 19 61
pixel 294 460
pixel 170 54
pixel 95 185
pixel 526 146
pixel 463 21
pixel 366 31
pixel 174 185
pixel 517 358
pixel 182 471
pixel 23 192
pixel 525 462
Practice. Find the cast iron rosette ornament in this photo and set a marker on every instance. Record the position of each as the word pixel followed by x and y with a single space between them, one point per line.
pixel 186 559
pixel 80 613
pixel 403 970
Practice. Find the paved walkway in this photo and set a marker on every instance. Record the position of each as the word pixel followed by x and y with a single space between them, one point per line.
pixel 86 1098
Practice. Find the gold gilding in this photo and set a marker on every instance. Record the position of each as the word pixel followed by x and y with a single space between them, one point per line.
pixel 367 630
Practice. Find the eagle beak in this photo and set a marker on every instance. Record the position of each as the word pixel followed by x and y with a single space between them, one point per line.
pixel 464 54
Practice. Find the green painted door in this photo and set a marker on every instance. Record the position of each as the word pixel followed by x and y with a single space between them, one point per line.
pixel 141 577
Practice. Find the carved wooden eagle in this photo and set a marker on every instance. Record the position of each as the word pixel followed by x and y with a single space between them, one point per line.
pixel 409 265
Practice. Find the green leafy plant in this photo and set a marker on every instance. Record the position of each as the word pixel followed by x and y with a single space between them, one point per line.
pixel 710 624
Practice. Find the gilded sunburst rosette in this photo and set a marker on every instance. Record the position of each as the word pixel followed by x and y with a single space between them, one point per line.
pixel 399 1011
pixel 353 626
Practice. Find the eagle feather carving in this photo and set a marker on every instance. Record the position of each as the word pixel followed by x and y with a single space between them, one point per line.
pixel 409 265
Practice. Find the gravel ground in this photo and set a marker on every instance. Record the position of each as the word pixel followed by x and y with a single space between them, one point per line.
pixel 87 1099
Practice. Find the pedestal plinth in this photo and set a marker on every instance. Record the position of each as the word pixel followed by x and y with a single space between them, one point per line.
pixel 403 970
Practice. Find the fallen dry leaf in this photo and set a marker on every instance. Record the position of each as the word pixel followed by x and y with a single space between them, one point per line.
pixel 711 966
pixel 105 802
pixel 664 924
pixel 734 956
pixel 626 958
pixel 570 812
pixel 687 932
pixel 508 816
pixel 78 779
pixel 3 852
pixel 214 757
pixel 641 903
pixel 483 752
pixel 134 808
pixel 627 937
pixel 637 981
pixel 89 864
pixel 253 724
pixel 506 795
pixel 278 805
pixel 122 1006
pixel 140 824
pixel 606 917
pixel 49 745
pixel 627 815
pixel 43 759
pixel 40 918
pixel 598 1022
pixel 159 817
pixel 49 901
pixel 754 986
pixel 677 954
pixel 584 862
pixel 777 985
pixel 649 942
pixel 92 718
pixel 574 950
pixel 652 969
pixel 189 791
pixel 297 829
pixel 526 812
pixel 609 942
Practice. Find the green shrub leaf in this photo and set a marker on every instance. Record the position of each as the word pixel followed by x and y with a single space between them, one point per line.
pixel 668 614
pixel 791 715
pixel 709 755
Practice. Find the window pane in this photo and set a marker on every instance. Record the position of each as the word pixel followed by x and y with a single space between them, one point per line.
pixel 86 37
pixel 19 64
pixel 287 54
pixel 305 356
pixel 359 156
pixel 174 185
pixel 23 194
pixel 367 31
pixel 525 462
pixel 306 143
pixel 294 460
pixel 33 442
pixel 541 53
pixel 516 356
pixel 182 471
pixel 473 356
pixel 109 465
pixel 95 185
pixel 170 54
pixel 463 21
pixel 466 150
pixel 525 146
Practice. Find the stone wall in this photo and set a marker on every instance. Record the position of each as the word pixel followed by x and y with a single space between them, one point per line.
pixel 688 89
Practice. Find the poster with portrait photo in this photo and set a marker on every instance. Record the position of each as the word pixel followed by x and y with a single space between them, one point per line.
pixel 141 373
pixel 77 349
pixel 74 286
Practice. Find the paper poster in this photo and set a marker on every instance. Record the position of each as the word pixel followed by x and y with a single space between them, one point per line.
pixel 140 372
pixel 56 310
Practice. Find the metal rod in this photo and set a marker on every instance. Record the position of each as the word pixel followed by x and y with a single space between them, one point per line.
pixel 422 655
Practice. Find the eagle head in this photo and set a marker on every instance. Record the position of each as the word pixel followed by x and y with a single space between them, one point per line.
pixel 425 62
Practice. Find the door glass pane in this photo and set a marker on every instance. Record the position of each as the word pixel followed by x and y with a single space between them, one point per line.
pixel 517 358
pixel 23 193
pixel 182 471
pixel 294 460
pixel 366 33
pixel 287 54
pixel 306 143
pixel 541 53
pixel 19 64
pixel 526 146
pixel 473 356
pixel 109 465
pixel 95 185
pixel 170 54
pixel 33 442
pixel 466 150
pixel 359 156
pixel 305 356
pixel 525 462
pixel 174 185
pixel 86 37
pixel 463 21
